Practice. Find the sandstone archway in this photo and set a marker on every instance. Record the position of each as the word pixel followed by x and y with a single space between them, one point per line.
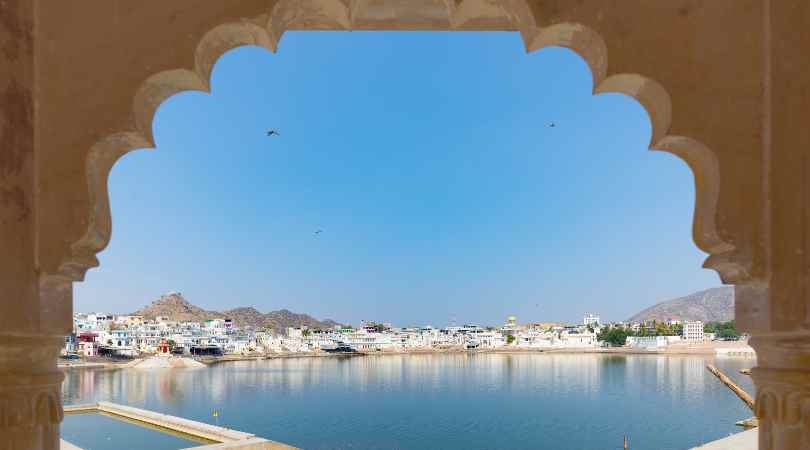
pixel 724 81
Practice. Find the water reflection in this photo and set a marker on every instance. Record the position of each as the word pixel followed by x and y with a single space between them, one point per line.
pixel 456 400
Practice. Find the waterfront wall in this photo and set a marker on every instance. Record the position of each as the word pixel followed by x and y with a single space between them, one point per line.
pixel 224 438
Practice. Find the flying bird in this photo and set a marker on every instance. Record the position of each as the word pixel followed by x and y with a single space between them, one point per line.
pixel 318 232
pixel 551 125
pixel 273 132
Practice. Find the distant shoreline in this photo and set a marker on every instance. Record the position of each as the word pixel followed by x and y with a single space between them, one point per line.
pixel 704 349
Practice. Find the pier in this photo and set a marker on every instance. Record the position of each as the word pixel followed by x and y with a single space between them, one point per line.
pixel 213 437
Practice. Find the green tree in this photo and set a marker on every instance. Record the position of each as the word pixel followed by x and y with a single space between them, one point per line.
pixel 510 339
pixel 723 330
pixel 728 330
pixel 614 336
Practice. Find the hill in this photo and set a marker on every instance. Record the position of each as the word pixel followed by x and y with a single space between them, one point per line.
pixel 711 305
pixel 174 306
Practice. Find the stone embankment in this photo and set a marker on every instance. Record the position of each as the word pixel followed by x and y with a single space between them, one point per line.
pixel 746 440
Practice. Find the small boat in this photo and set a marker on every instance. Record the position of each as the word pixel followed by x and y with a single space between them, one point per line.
pixel 341 347
pixel 472 344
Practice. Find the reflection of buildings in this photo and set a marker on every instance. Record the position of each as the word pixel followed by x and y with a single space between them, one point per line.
pixel 557 383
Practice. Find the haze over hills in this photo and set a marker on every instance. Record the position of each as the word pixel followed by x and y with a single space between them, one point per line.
pixel 711 305
pixel 174 306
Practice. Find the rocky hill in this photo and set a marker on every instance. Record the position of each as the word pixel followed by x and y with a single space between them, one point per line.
pixel 711 305
pixel 174 306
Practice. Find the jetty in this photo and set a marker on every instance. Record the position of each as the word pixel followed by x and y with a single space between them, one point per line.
pixel 213 437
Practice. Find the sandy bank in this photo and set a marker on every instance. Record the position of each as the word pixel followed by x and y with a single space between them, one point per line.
pixel 167 362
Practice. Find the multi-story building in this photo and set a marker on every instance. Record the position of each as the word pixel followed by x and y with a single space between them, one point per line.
pixel 295 332
pixel 693 331
pixel 577 338
pixel 71 343
pixel 536 339
pixel 591 319
pixel 129 321
pixel 362 340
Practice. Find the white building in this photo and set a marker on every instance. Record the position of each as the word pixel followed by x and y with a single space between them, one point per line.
pixel 295 332
pixel 651 342
pixel 693 331
pixel 591 320
pixel 536 339
pixel 572 339
pixel 363 341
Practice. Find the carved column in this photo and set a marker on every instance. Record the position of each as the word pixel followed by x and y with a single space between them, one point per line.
pixel 35 308
pixel 30 393
pixel 776 308
pixel 782 378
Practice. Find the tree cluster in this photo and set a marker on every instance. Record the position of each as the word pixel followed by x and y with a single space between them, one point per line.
pixel 617 336
pixel 614 336
pixel 726 331
pixel 378 327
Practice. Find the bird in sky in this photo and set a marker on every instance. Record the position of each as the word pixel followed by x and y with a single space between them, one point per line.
pixel 273 132
pixel 551 125
pixel 317 232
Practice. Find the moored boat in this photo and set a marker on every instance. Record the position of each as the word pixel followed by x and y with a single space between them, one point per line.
pixel 341 347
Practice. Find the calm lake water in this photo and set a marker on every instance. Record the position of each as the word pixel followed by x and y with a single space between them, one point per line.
pixel 446 401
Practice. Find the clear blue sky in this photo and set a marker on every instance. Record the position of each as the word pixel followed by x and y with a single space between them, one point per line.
pixel 428 162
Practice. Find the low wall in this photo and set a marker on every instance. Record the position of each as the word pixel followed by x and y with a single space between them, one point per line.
pixel 248 444
pixel 225 438
pixel 178 424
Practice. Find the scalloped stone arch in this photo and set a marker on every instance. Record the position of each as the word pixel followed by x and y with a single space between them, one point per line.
pixel 726 84
pixel 582 40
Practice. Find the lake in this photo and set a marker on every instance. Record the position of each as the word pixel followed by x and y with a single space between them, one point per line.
pixel 433 401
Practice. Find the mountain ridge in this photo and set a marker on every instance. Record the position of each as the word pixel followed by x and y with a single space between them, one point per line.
pixel 709 305
pixel 174 306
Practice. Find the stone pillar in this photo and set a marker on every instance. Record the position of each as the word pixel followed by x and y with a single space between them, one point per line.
pixel 782 377
pixel 30 393
pixel 775 308
pixel 35 308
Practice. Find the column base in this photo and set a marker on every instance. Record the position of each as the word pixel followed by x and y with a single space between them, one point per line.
pixel 782 379
pixel 30 393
